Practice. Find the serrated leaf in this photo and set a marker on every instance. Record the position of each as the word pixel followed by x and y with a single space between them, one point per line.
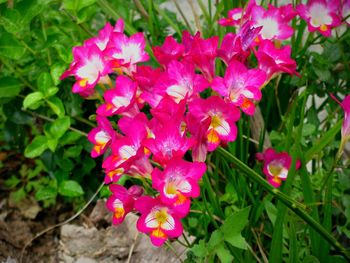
pixel 56 105
pixel 233 227
pixel 70 188
pixel 32 99
pixel 308 129
pixel 216 238
pixel 46 193
pixel 200 249
pixel 9 87
pixel 36 147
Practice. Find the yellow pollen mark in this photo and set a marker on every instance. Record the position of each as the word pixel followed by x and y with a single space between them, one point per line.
pixel 119 212
pixel 180 199
pixel 257 40
pixel 146 151
pixel 215 121
pixel 170 189
pixel 158 233
pixel 323 27
pixel 213 137
pixel 83 82
pixel 97 148
pixel 109 106
pixel 246 103
pixel 161 216
pixel 114 172
pixel 275 170
pixel 277 180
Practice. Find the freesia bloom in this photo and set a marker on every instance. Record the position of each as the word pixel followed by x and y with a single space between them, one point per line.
pixel 276 166
pixel 180 81
pixel 234 17
pixel 88 67
pixel 121 202
pixel 274 61
pixel 223 117
pixel 126 52
pixel 346 11
pixel 241 86
pixel 158 220
pixel 345 131
pixel 320 15
pixel 274 25
pixel 101 136
pixel 170 50
pixel 178 182
pixel 118 99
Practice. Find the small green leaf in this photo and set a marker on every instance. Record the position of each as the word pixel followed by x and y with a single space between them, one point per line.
pixel 56 71
pixel 70 188
pixel 233 227
pixel 52 144
pixel 9 20
pixel 70 137
pixel 56 105
pixel 9 87
pixel 57 128
pixel 51 91
pixel 224 254
pixel 46 193
pixel 73 151
pixel 216 238
pixel 10 47
pixel 32 99
pixel 308 129
pixel 200 250
pixel 36 147
pixel 44 82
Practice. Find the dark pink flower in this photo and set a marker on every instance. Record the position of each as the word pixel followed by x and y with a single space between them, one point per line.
pixel 320 15
pixel 101 136
pixel 170 50
pixel 241 86
pixel 121 202
pixel 118 99
pixel 178 182
pixel 234 17
pixel 274 61
pixel 276 166
pixel 223 117
pixel 158 220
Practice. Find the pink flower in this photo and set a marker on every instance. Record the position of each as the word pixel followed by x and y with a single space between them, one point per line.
pixel 276 166
pixel 275 61
pixel 274 25
pixel 180 81
pixel 88 67
pixel 101 136
pixel 126 52
pixel 234 17
pixel 320 15
pixel 178 182
pixel 203 53
pixel 223 117
pixel 121 202
pixel 345 131
pixel 346 11
pixel 158 220
pixel 170 50
pixel 118 99
pixel 241 86
pixel 168 143
pixel 127 149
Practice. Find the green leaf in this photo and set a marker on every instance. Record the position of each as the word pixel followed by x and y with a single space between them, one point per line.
pixel 31 100
pixel 36 147
pixel 10 47
pixel 44 82
pixel 52 144
pixel 57 128
pixel 308 129
pixel 56 105
pixel 224 254
pixel 70 137
pixel 216 238
pixel 9 20
pixel 56 71
pixel 233 227
pixel 200 250
pixel 70 188
pixel 9 87
pixel 76 5
pixel 73 151
pixel 45 193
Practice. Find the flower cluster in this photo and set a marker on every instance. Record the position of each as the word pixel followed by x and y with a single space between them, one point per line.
pixel 158 124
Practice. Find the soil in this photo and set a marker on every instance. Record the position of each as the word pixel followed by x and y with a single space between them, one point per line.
pixel 88 239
